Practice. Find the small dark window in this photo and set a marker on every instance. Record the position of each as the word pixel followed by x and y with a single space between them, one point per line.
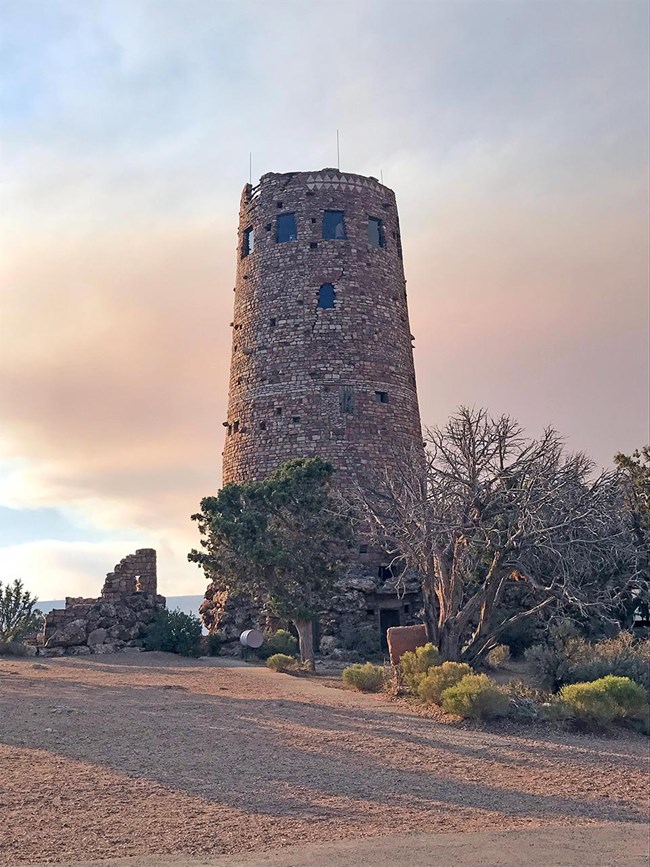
pixel 313 245
pixel 273 321
pixel 295 419
pixel 346 398
pixel 235 427
pixel 268 227
pixel 248 243
pixel 262 425
pixel 313 219
pixel 229 429
pixel 278 410
pixel 384 572
pixel 286 228
pixel 326 296
pixel 381 396
pixel 333 226
pixel 363 549
pixel 376 236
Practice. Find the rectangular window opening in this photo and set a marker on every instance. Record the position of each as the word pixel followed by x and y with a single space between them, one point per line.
pixel 278 410
pixel 346 399
pixel 248 242
pixel 286 228
pixel 295 419
pixel 363 549
pixel 376 234
pixel 381 396
pixel 273 321
pixel 333 226
pixel 235 427
pixel 262 425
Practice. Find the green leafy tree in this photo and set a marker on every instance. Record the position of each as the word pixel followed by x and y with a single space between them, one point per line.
pixel 18 617
pixel 282 539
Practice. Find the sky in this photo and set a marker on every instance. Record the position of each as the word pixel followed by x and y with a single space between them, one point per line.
pixel 515 135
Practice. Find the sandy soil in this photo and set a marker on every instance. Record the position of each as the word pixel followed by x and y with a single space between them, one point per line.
pixel 144 754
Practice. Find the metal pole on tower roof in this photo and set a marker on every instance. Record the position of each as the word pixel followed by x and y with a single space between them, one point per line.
pixel 250 168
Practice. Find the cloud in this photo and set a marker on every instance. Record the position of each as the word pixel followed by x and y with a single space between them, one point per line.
pixel 515 136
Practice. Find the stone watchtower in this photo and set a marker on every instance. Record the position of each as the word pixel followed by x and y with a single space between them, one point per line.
pixel 322 359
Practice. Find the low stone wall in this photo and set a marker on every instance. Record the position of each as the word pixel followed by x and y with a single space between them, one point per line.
pixel 117 620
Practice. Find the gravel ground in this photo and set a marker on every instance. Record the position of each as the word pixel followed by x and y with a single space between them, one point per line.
pixel 144 754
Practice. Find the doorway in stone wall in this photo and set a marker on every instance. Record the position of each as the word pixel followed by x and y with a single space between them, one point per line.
pixel 387 617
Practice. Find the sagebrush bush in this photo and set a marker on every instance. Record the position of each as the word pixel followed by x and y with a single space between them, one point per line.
pixel 498 656
pixel 365 678
pixel 13 648
pixel 476 697
pixel 414 664
pixel 439 678
pixel 567 658
pixel 622 656
pixel 281 641
pixel 606 700
pixel 282 662
pixel 174 632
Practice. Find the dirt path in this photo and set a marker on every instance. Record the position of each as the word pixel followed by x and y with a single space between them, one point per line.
pixel 136 755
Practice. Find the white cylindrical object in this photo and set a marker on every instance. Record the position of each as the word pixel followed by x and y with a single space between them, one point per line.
pixel 252 638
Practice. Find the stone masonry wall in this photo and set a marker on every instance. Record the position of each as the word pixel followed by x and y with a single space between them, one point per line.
pixel 117 620
pixel 336 382
pixel 339 382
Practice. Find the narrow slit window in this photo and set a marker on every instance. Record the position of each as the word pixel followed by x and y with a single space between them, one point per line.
pixel 278 410
pixel 326 296
pixel 235 427
pixel 286 228
pixel 346 399
pixel 381 396
pixel 333 226
pixel 273 322
pixel 376 234
pixel 248 242
pixel 262 425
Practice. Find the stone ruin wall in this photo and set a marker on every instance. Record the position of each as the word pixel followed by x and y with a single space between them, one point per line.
pixel 335 382
pixel 116 620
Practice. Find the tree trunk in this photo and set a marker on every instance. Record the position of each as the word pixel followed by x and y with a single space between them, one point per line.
pixel 306 642
pixel 449 642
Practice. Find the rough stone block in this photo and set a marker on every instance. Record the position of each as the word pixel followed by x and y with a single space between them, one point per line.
pixel 404 638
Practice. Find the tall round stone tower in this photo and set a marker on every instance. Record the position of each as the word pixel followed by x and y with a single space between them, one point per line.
pixel 322 360
pixel 322 365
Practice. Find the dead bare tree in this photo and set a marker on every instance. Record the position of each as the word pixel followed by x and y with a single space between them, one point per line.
pixel 492 510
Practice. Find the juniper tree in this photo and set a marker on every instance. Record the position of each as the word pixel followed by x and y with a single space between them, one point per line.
pixel 283 539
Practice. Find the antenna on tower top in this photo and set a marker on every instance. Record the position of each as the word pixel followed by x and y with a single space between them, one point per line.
pixel 250 168
pixel 338 152
pixel 381 175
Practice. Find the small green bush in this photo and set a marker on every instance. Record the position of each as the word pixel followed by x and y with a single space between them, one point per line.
pixel 281 641
pixel 174 632
pixel 282 662
pixel 18 617
pixel 439 678
pixel 414 664
pixel 606 700
pixel 498 656
pixel 476 697
pixel 365 678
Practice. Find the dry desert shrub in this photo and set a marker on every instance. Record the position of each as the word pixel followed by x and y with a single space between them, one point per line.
pixel 282 662
pixel 476 697
pixel 365 678
pixel 439 678
pixel 414 664
pixel 606 700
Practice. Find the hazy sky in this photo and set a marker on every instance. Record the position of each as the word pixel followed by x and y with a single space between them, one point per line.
pixel 515 135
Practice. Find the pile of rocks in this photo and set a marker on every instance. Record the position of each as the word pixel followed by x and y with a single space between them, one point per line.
pixel 117 620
